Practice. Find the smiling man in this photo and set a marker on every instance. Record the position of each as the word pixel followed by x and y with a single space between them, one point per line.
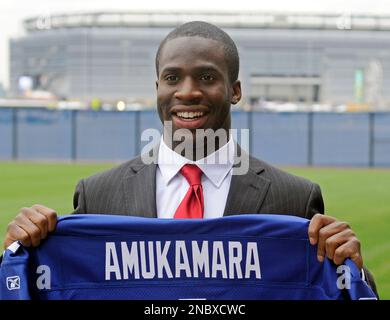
pixel 197 68
pixel 197 95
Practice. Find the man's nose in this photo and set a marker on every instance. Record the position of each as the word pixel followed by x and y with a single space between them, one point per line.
pixel 189 90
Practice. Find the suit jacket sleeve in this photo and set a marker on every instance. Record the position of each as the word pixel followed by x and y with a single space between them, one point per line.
pixel 79 204
pixel 315 203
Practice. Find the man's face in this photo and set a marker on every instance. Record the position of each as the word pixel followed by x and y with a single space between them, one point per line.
pixel 193 88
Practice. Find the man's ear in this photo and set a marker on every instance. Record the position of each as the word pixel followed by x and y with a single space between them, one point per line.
pixel 236 96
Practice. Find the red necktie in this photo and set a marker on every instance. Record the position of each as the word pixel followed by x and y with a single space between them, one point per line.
pixel 192 206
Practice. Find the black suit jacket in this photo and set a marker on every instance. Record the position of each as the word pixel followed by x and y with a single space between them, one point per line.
pixel 130 189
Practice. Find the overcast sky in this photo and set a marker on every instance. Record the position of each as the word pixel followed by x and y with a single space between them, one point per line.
pixel 13 12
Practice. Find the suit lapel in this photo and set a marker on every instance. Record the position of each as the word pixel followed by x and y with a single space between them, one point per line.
pixel 139 187
pixel 247 192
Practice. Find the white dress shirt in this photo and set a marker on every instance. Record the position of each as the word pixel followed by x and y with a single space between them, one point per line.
pixel 171 186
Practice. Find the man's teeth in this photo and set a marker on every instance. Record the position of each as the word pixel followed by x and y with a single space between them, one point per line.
pixel 189 115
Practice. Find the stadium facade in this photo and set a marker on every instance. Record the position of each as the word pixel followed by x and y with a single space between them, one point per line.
pixel 299 58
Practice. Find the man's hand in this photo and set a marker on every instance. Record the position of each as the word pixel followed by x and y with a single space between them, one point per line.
pixel 335 239
pixel 31 225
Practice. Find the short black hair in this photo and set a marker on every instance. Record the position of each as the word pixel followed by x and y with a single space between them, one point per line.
pixel 208 31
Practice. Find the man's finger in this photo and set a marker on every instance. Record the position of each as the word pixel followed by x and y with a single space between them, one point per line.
pixel 350 249
pixel 336 240
pixel 49 213
pixel 15 233
pixel 316 223
pixel 38 219
pixel 327 232
pixel 30 228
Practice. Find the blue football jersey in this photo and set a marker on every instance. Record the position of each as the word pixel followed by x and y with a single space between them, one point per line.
pixel 118 257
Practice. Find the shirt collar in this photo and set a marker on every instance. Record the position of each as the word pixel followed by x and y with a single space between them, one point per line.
pixel 215 166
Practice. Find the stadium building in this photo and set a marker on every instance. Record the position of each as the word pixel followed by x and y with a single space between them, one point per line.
pixel 297 58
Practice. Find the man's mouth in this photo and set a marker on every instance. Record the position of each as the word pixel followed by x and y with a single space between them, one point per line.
pixel 189 119
pixel 189 115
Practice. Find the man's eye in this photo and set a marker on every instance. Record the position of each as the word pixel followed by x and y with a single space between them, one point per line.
pixel 171 78
pixel 207 77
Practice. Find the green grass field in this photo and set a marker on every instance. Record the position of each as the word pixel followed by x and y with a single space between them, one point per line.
pixel 359 196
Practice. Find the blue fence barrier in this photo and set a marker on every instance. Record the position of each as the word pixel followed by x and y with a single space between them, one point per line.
pixel 381 139
pixel 7 137
pixel 341 139
pixel 280 138
pixel 326 139
pixel 43 134
pixel 105 135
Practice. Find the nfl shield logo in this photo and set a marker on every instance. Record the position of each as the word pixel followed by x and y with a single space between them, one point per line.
pixel 13 283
